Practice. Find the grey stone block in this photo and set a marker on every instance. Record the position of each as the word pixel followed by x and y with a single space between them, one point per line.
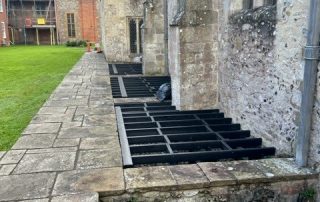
pixel 32 163
pixel 66 142
pixel 89 159
pixel 86 132
pixel 7 169
pixel 22 187
pixel 12 157
pixel 110 143
pixel 45 128
pixel 35 141
pixel 86 197
pixel 98 180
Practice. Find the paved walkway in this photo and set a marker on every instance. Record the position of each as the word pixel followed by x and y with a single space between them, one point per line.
pixel 71 145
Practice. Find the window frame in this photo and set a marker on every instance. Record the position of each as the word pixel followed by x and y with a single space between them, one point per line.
pixel 71 25
pixel 139 47
pixel 1 6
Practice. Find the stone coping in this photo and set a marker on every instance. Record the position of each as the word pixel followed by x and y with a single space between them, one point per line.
pixel 213 174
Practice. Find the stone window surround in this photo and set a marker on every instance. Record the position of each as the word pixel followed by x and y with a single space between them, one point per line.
pixel 74 23
pixel 137 18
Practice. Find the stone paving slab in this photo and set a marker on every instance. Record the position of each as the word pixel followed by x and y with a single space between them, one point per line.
pixel 103 158
pixel 110 142
pixel 2 154
pixel 97 180
pixel 86 197
pixel 12 157
pixel 66 142
pixel 35 141
pixel 7 169
pixel 52 150
pixel 43 128
pixel 86 132
pixel 29 186
pixel 52 110
pixel 46 162
pixel 36 200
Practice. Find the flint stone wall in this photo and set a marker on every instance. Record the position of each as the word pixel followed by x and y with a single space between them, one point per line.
pixel 261 72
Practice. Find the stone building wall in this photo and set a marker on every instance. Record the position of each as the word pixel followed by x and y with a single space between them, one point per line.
pixel 86 20
pixel 62 8
pixel 115 33
pixel 154 38
pixel 261 72
pixel 193 48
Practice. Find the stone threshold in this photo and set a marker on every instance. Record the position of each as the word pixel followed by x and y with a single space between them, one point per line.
pixel 211 174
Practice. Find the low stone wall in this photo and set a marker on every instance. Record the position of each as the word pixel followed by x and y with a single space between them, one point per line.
pixel 235 181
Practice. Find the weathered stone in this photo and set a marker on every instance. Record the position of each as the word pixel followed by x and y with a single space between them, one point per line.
pixel 72 124
pixel 35 141
pixel 245 171
pixel 66 142
pixel 30 186
pixel 189 176
pixel 86 132
pixel 154 39
pixel 7 169
pixel 45 128
pixel 2 154
pixel 104 181
pixel 12 157
pixel 52 118
pixel 217 174
pixel 32 163
pixel 110 143
pixel 284 169
pixel 52 150
pixel 149 178
pixel 193 70
pixel 90 159
pixel 87 197
pixel 114 17
pixel 52 110
pixel 36 200
pixel 100 120
pixel 94 111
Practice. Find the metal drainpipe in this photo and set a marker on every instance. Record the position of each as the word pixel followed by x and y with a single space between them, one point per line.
pixel 309 84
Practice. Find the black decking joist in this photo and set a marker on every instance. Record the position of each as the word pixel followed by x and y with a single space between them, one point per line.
pixel 157 133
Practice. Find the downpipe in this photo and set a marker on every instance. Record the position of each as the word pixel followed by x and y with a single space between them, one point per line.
pixel 311 56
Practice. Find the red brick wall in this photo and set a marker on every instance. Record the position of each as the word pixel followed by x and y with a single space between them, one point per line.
pixel 3 18
pixel 89 20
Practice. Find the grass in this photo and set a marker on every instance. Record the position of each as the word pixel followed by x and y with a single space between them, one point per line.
pixel 28 75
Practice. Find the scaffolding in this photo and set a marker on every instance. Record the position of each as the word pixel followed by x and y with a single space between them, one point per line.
pixel 32 21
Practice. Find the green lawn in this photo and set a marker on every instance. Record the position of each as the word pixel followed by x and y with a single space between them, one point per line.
pixel 28 75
